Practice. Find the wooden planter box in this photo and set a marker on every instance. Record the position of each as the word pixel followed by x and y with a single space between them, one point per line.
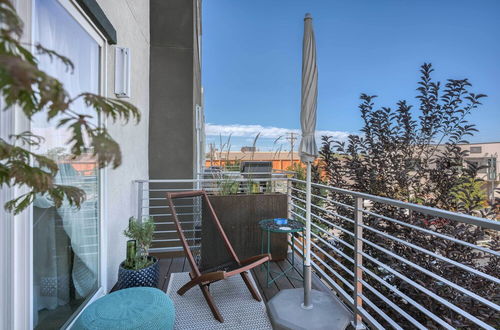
pixel 239 215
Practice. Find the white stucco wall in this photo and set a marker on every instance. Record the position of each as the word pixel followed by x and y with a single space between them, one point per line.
pixel 130 18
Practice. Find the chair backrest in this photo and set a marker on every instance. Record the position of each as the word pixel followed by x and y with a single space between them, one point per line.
pixel 171 196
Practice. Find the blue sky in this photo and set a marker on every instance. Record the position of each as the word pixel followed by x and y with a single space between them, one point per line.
pixel 252 60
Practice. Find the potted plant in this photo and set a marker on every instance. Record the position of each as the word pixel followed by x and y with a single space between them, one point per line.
pixel 139 268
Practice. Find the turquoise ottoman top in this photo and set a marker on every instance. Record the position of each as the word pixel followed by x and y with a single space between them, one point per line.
pixel 134 308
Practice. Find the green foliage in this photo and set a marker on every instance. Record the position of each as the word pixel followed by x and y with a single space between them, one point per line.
pixel 253 187
pixel 25 87
pixel 142 233
pixel 470 195
pixel 414 155
pixel 299 169
pixel 414 158
pixel 228 186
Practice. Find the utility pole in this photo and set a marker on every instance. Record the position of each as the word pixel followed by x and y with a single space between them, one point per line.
pixel 292 137
pixel 211 154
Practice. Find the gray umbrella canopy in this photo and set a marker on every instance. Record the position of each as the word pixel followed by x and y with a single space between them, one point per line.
pixel 308 150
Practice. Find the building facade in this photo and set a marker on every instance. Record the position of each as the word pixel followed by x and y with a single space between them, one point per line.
pixel 54 262
pixel 485 157
pixel 281 161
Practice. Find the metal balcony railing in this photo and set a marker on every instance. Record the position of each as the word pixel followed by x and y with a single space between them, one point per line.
pixel 394 264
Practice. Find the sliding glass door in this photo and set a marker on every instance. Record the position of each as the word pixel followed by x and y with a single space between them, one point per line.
pixel 66 245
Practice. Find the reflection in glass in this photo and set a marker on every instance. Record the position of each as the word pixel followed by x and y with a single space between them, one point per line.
pixel 65 240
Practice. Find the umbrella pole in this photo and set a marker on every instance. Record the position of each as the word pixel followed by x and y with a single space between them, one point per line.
pixel 307 265
pixel 292 309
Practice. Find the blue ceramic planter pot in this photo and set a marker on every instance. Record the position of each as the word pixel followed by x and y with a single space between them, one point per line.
pixel 148 276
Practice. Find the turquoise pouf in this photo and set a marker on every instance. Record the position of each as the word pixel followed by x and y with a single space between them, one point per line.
pixel 134 308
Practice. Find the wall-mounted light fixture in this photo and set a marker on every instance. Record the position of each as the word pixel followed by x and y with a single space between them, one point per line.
pixel 122 72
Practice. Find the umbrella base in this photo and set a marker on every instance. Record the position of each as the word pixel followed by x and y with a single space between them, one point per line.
pixel 327 312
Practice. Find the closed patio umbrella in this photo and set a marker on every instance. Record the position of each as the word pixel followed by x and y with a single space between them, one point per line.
pixel 306 308
pixel 308 150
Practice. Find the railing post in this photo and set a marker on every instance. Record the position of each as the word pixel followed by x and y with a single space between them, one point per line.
pixel 289 198
pixel 289 211
pixel 140 197
pixel 358 262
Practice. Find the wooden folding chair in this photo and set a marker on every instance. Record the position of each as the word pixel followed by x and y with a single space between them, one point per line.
pixel 203 278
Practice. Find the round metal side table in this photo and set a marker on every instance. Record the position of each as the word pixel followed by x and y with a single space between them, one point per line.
pixel 269 226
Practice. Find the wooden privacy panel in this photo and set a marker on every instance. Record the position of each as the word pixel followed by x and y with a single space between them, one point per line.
pixel 239 215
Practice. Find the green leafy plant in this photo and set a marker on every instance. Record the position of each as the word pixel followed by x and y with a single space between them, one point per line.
pixel 470 195
pixel 142 233
pixel 25 87
pixel 414 155
pixel 228 186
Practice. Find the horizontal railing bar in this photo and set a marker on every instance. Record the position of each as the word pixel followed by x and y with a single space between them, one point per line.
pixel 334 202
pixel 325 210
pixel 338 251
pixel 176 239
pixel 166 249
pixel 167 207
pixel 393 305
pixel 433 275
pixel 346 282
pixel 408 299
pixel 430 232
pixel 329 223
pixel 242 173
pixel 334 226
pixel 344 295
pixel 337 275
pixel 168 189
pixel 371 320
pixel 164 198
pixel 334 238
pixel 213 180
pixel 428 292
pixel 486 223
pixel 435 255
pixel 175 231
pixel 333 260
pixel 168 214
pixel 173 223
pixel 330 234
pixel 381 313
pixel 325 199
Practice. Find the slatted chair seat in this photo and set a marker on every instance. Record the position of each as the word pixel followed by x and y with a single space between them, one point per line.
pixel 227 267
pixel 204 277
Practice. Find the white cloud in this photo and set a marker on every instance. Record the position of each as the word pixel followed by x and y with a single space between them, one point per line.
pixel 271 132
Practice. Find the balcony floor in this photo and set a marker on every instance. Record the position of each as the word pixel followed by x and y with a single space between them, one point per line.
pixel 169 265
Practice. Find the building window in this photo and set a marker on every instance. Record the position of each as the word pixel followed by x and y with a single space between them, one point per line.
pixel 480 164
pixel 475 150
pixel 65 240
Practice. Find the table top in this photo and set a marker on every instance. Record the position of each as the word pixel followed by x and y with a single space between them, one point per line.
pixel 292 226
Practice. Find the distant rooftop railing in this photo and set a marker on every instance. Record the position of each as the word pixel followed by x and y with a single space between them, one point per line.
pixel 394 264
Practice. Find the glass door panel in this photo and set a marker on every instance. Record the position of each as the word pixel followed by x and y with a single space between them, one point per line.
pixel 65 240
